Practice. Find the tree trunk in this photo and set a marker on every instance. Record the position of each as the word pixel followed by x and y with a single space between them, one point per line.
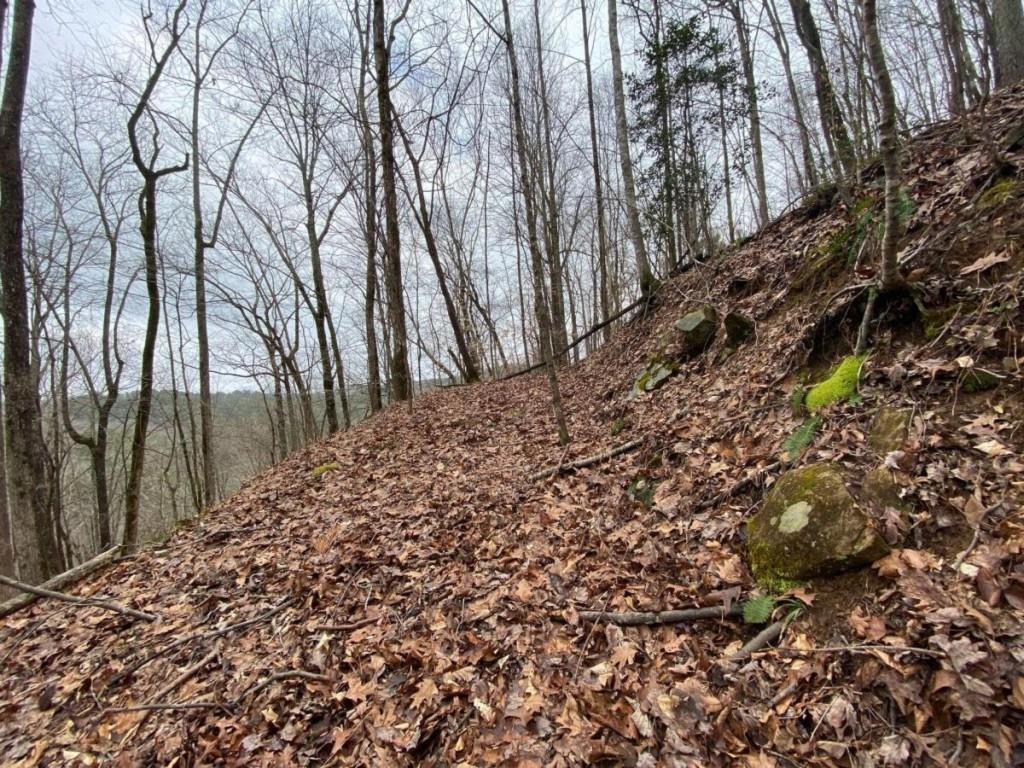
pixel 536 262
pixel 468 365
pixel 35 545
pixel 832 124
pixel 401 380
pixel 1008 26
pixel 370 235
pixel 320 308
pixel 890 274
pixel 147 229
pixel 643 264
pixel 595 161
pixel 7 564
pixel 754 117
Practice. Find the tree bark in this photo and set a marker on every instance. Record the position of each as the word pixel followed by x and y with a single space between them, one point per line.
pixel 643 264
pixel 832 124
pixel 1008 26
pixel 595 161
pixel 754 116
pixel 401 379
pixel 890 273
pixel 35 544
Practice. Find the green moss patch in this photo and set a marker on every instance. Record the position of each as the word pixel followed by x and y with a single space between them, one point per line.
pixel 323 469
pixel 841 385
pixel 998 193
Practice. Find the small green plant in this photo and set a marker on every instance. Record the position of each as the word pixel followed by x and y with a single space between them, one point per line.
pixel 618 426
pixel 757 610
pixel 323 469
pixel 841 385
pixel 804 435
pixel 905 207
pixel 641 490
pixel 797 398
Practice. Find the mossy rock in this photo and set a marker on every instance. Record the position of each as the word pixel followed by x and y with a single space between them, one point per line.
pixel 998 193
pixel 840 385
pixel 879 490
pixel 889 429
pixel 935 319
pixel 695 331
pixel 652 377
pixel 738 328
pixel 323 469
pixel 810 526
pixel 979 380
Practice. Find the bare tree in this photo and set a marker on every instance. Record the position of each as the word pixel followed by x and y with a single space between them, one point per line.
pixel 401 380
pixel 644 273
pixel 151 174
pixel 35 544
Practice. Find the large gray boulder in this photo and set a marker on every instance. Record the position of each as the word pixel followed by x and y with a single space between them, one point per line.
pixel 694 332
pixel 810 526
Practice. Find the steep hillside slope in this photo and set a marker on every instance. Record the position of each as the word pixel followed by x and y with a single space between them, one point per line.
pixel 405 593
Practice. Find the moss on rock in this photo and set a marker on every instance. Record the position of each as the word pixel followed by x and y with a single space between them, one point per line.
pixel 323 469
pixel 841 385
pixel 809 526
pixel 889 429
pixel 998 193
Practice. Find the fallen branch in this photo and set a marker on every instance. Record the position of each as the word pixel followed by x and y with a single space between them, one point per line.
pixel 199 636
pixel 108 605
pixel 644 618
pixel 761 639
pixel 166 705
pixel 60 581
pixel 577 341
pixel 254 690
pixel 588 461
pixel 351 626
pixel 863 649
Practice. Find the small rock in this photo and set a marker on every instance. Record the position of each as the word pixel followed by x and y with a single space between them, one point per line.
pixel 889 430
pixel 696 330
pixel 811 526
pixel 738 328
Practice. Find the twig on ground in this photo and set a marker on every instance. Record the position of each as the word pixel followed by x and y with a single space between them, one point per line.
pixel 736 488
pixel 644 618
pixel 200 636
pixel 254 690
pixel 60 581
pixel 761 639
pixel 588 461
pixel 168 705
pixel 962 557
pixel 862 649
pixel 351 626
pixel 107 605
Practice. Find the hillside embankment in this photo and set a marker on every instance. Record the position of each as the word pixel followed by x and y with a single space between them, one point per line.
pixel 409 593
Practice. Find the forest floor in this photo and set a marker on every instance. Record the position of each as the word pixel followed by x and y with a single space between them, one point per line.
pixel 403 593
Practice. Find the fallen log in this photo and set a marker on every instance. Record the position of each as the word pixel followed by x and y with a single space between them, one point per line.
pixel 646 618
pixel 587 461
pixel 107 605
pixel 60 581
